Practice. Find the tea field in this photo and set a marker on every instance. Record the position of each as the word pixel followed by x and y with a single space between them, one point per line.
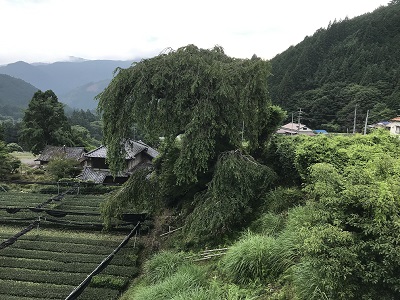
pixel 59 253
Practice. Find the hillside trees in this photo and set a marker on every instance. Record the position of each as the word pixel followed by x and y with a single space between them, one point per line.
pixel 88 120
pixel 198 101
pixel 45 123
pixel 352 61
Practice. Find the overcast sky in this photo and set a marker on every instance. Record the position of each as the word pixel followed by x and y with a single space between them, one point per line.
pixel 51 30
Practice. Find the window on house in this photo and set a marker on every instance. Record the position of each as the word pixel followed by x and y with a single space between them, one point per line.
pixel 397 129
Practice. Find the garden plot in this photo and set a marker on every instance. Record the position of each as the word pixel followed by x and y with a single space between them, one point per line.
pixel 49 264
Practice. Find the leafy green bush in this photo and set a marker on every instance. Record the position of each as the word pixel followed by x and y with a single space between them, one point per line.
pixel 11 147
pixel 8 163
pixel 352 246
pixel 281 155
pixel 61 167
pixel 281 199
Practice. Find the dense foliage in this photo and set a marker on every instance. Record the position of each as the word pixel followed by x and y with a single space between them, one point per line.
pixel 205 105
pixel 88 120
pixel 346 235
pixel 336 238
pixel 203 96
pixel 353 62
pixel 45 123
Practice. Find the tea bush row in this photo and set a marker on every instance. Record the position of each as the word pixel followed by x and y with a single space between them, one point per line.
pixel 73 267
pixel 51 291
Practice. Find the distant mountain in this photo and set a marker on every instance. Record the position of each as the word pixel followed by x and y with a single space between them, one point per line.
pixel 66 79
pixel 15 95
pixel 83 97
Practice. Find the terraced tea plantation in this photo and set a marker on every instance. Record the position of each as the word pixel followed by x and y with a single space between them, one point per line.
pixel 54 258
pixel 71 209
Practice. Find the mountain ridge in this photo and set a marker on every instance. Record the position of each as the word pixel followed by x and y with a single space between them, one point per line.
pixel 67 77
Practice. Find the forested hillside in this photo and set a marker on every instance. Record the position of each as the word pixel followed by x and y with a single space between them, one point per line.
pixel 14 96
pixel 353 62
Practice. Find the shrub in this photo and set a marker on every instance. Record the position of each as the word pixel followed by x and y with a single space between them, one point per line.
pixel 61 167
pixel 281 199
pixel 11 147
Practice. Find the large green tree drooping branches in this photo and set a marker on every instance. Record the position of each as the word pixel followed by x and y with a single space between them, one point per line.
pixel 201 95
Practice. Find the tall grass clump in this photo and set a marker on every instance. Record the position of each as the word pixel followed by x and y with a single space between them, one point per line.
pixel 163 265
pixel 217 290
pixel 185 281
pixel 250 259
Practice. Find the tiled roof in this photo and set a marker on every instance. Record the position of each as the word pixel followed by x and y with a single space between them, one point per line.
pixel 96 175
pixel 100 152
pixel 51 152
pixel 150 151
pixel 132 149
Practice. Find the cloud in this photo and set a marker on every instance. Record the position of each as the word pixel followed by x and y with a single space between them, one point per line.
pixel 52 29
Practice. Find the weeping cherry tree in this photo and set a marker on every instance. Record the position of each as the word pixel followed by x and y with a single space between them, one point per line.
pixel 200 101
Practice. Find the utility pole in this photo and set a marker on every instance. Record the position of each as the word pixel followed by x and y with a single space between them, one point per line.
pixel 298 126
pixel 291 132
pixel 366 122
pixel 355 117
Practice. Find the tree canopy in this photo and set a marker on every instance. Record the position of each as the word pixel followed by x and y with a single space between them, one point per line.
pixel 45 123
pixel 203 96
pixel 214 115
